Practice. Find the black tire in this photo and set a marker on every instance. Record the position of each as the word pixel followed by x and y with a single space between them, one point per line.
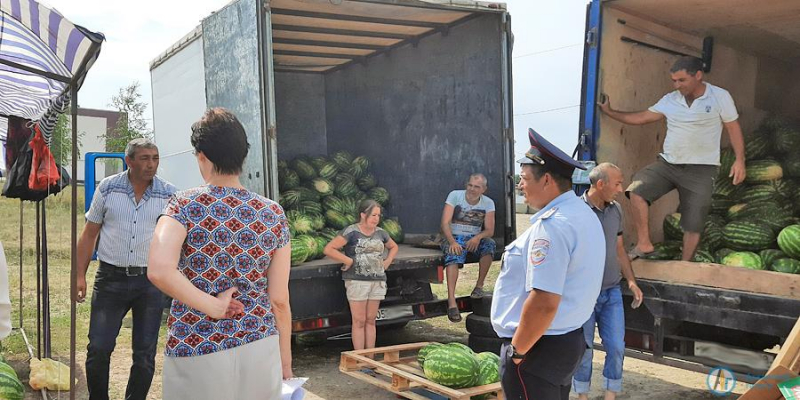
pixel 480 326
pixel 480 344
pixel 482 307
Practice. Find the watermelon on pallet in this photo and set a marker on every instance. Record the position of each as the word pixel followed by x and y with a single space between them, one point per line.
pixel 423 352
pixel 289 199
pixel 323 186
pixel 318 162
pixel 311 245
pixel 452 367
pixel 721 253
pixel 301 223
pixel 789 240
pixel 744 259
pixel 321 243
pixel 672 227
pixel 328 170
pixel 342 159
pixel 761 192
pixel 763 171
pixel 757 147
pixel 461 346
pixel 786 265
pixel 336 219
pixel 379 194
pixel 287 179
pixel 720 204
pixel 367 182
pixel 309 207
pixel 747 235
pixel 703 256
pixel 345 188
pixel 359 166
pixel 669 250
pixel 488 373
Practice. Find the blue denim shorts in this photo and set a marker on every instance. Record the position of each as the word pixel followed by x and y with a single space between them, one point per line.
pixel 486 247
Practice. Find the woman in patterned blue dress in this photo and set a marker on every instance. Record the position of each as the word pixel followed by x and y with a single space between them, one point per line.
pixel 222 253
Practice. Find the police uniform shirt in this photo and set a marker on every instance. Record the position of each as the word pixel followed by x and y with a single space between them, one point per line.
pixel 563 252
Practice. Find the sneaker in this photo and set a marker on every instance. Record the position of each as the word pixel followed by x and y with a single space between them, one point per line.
pixel 478 293
pixel 453 315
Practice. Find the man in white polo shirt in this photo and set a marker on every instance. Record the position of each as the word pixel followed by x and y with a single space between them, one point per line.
pixel 695 112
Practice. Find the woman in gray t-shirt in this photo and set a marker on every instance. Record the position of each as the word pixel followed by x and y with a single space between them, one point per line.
pixel 364 245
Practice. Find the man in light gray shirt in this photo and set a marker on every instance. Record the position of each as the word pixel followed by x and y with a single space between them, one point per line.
pixel 468 226
pixel 123 215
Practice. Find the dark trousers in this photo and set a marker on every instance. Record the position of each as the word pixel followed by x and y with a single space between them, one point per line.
pixel 114 295
pixel 546 371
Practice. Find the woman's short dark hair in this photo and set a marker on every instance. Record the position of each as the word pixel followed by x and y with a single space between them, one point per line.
pixel 221 138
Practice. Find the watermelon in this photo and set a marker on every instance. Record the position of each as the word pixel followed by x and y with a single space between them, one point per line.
pixel 393 228
pixel 703 256
pixel 289 199
pixel 484 355
pixel 787 139
pixel 669 250
pixel 323 186
pixel 672 227
pixel 744 259
pixel 757 147
pixel 307 194
pixel 786 265
pixel 726 159
pixel 350 208
pixel 301 223
pixel 452 367
pixel 791 166
pixel 346 188
pixel 344 177
pixel 288 179
pixel 7 369
pixel 336 219
pixel 328 171
pixel 461 346
pixel 747 235
pixel 317 221
pixel 789 240
pixel 333 203
pixel 311 245
pixel 359 166
pixel 342 159
pixel 720 204
pixel 761 192
pixel 736 211
pixel 299 251
pixel 360 196
pixel 309 207
pixel 768 256
pixel 712 237
pixel 785 188
pixel 282 164
pixel 305 170
pixel 488 373
pixel 379 194
pixel 423 352
pixel 318 162
pixel 321 243
pixel 774 123
pixel 777 219
pixel 763 170
pixel 367 182
pixel 11 387
pixel 721 253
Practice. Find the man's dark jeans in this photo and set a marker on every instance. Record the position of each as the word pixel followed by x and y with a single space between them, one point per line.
pixel 114 295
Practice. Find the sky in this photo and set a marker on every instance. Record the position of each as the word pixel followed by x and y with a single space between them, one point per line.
pixel 547 55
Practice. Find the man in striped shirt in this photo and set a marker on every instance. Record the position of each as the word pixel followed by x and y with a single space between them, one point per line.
pixel 123 215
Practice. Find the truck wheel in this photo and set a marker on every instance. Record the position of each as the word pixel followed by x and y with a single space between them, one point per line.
pixel 310 339
pixel 480 326
pixel 480 344
pixel 482 306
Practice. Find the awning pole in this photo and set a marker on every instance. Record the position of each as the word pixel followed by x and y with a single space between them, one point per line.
pixel 73 275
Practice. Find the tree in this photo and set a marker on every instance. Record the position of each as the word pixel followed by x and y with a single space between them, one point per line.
pixel 61 142
pixel 131 123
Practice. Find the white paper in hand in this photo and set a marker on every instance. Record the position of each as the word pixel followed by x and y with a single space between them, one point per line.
pixel 293 389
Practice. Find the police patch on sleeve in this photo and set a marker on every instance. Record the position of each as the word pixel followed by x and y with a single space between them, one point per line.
pixel 538 252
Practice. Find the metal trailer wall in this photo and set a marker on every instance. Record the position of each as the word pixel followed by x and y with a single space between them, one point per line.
pixel 426 116
pixel 300 115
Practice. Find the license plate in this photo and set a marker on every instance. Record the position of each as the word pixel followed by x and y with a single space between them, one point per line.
pixel 394 312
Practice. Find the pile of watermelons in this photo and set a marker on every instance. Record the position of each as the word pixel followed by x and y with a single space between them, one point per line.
pixel 10 386
pixel 457 366
pixel 321 196
pixel 755 224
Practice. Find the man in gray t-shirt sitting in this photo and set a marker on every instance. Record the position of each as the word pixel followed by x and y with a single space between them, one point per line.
pixel 468 226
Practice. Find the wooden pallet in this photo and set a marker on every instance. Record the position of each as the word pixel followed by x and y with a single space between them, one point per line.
pixel 396 370
pixel 785 366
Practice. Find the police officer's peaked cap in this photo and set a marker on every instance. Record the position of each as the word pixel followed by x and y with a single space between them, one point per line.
pixel 543 152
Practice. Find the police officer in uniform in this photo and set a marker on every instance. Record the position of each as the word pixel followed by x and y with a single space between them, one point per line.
pixel 549 280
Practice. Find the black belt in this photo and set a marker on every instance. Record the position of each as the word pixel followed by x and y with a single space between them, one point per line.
pixel 128 271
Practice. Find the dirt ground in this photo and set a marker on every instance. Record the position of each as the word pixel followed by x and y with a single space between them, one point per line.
pixel 642 380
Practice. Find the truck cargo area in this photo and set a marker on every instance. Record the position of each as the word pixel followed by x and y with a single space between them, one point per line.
pixel 753 51
pixel 415 87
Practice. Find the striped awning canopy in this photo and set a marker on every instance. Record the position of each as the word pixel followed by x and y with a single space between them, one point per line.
pixel 41 55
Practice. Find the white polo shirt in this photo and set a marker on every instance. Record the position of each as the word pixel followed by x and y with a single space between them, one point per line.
pixel 694 132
